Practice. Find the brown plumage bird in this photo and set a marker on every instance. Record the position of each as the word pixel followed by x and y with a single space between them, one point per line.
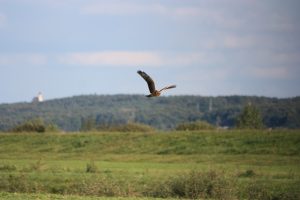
pixel 151 85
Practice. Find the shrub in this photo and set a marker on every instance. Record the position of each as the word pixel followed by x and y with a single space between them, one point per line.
pixel 250 118
pixel 191 126
pixel 256 189
pixel 195 185
pixel 100 186
pixel 35 125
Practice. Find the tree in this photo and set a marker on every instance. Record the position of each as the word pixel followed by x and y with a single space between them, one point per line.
pixel 250 118
pixel 88 124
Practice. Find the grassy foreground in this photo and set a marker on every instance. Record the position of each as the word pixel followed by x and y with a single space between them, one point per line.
pixel 24 196
pixel 207 164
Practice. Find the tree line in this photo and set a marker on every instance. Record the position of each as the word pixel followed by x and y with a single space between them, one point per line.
pixel 74 113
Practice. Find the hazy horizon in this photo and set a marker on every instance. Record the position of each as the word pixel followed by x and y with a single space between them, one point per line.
pixel 174 95
pixel 66 48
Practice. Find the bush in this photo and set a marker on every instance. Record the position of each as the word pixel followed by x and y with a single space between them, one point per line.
pixel 256 189
pixel 196 185
pixel 36 125
pixel 192 126
pixel 250 118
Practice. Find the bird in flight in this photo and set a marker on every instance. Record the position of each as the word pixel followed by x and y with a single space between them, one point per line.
pixel 151 85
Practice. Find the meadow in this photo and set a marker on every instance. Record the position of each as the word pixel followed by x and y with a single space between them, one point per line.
pixel 215 164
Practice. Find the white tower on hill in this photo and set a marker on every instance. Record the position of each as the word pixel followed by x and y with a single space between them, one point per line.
pixel 38 98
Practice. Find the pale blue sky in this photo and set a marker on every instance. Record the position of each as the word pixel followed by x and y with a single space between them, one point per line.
pixel 217 47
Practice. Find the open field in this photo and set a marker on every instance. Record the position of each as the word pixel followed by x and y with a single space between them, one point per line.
pixel 206 164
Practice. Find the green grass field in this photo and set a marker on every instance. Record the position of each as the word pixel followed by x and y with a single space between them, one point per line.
pixel 207 164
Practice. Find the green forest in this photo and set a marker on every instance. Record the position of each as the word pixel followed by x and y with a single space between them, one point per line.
pixel 164 113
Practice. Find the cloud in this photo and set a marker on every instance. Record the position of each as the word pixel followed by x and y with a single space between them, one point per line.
pixel 107 59
pixel 23 59
pixel 201 11
pixel 131 58
pixel 111 58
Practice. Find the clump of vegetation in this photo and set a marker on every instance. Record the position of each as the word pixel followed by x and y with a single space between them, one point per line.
pixel 250 118
pixel 196 185
pixel 193 126
pixel 35 125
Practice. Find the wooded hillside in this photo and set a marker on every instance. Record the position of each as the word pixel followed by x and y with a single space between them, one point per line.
pixel 162 113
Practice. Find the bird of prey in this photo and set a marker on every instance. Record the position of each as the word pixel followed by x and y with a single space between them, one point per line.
pixel 151 85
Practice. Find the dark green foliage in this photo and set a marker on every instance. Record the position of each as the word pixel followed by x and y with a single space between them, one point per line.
pixel 194 126
pixel 250 118
pixel 74 113
pixel 36 125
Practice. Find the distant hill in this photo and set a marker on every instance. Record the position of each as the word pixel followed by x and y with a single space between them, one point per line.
pixel 163 112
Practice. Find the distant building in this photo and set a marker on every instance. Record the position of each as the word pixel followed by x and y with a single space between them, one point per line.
pixel 38 98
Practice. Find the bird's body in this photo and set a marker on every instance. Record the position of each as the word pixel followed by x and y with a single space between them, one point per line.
pixel 151 85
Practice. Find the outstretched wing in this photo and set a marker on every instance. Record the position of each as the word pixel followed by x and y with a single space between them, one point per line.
pixel 168 87
pixel 148 79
